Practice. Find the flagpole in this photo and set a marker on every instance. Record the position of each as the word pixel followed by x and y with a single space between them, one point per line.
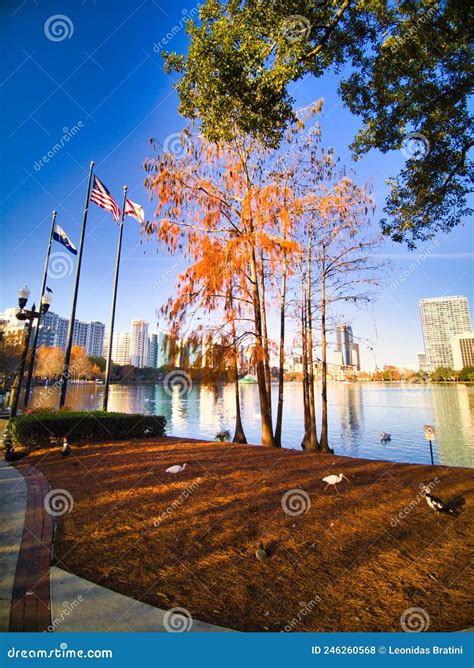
pixel 35 337
pixel 67 354
pixel 108 367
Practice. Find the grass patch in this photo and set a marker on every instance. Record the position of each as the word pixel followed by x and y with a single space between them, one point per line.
pixel 350 563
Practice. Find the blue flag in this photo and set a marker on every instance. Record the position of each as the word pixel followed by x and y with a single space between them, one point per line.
pixel 60 235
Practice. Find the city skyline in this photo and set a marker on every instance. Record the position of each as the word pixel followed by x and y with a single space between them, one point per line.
pixel 53 330
pixel 445 323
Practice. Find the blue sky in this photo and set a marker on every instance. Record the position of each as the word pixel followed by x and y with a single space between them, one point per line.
pixel 104 86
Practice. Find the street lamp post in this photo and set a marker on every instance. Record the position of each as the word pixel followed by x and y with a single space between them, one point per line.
pixel 29 315
pixel 44 298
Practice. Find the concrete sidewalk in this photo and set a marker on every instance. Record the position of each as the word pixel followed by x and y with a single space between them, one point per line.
pixel 80 605
pixel 76 604
pixel 12 519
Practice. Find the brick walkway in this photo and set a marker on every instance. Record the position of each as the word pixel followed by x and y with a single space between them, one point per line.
pixel 30 605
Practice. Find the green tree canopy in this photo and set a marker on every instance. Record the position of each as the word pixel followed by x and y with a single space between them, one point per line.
pixel 98 361
pixel 408 80
pixel 443 373
pixel 467 374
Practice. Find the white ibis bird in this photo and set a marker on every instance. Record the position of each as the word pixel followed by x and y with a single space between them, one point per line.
pixel 334 480
pixel 436 503
pixel 176 469
pixel 65 450
pixel 384 437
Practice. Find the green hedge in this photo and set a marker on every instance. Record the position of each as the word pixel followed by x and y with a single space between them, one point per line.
pixel 41 429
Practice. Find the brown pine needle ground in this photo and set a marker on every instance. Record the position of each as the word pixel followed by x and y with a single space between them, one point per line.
pixel 347 564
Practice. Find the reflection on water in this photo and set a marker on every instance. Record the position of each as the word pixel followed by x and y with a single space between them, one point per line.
pixel 358 412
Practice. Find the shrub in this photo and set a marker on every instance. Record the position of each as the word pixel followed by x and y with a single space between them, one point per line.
pixel 223 435
pixel 44 428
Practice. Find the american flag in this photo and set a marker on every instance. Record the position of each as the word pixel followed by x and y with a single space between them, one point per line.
pixel 101 196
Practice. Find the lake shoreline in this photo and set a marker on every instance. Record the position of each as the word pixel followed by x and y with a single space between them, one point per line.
pixel 358 413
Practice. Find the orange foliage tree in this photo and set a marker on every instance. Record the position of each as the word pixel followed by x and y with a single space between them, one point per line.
pixel 247 220
pixel 231 211
pixel 49 361
pixel 81 366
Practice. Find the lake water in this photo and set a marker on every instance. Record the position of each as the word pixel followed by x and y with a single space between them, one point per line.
pixel 358 412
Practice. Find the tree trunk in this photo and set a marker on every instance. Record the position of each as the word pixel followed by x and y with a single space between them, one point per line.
pixel 281 369
pixel 268 378
pixel 323 441
pixel 311 436
pixel 239 434
pixel 304 364
pixel 266 420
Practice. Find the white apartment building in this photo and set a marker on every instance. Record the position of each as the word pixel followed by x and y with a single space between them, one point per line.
pixel 462 346
pixel 120 348
pixel 139 343
pixel 95 338
pixel 443 318
pixel 79 334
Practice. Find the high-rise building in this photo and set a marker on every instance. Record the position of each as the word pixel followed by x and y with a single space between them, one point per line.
pixel 462 346
pixel 347 353
pixel 355 356
pixel 53 331
pixel 153 350
pixel 163 357
pixel 95 338
pixel 10 323
pixel 139 343
pixel 79 334
pixel 61 333
pixel 344 343
pixel 120 348
pixel 421 361
pixel 52 328
pixel 48 328
pixel 442 318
